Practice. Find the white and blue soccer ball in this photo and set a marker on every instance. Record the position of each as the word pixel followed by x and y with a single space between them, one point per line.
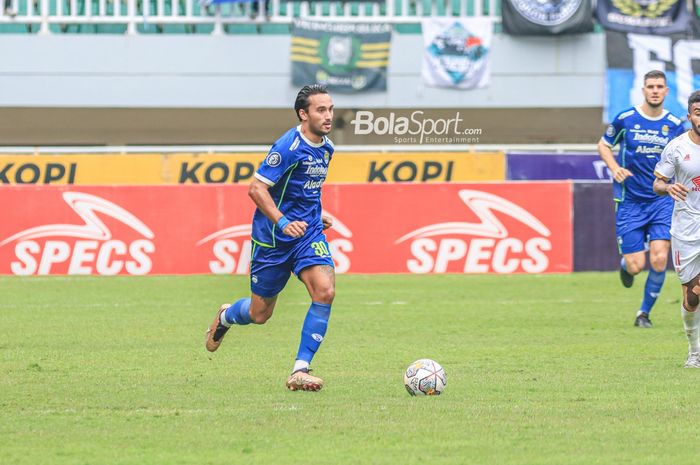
pixel 424 377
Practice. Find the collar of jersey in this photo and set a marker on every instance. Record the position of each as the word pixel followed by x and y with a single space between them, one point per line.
pixel 644 115
pixel 312 144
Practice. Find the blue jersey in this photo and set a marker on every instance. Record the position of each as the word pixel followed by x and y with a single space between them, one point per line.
pixel 641 139
pixel 295 169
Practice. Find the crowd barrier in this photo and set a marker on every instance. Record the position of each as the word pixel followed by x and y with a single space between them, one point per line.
pixel 234 168
pixel 489 236
pixel 382 228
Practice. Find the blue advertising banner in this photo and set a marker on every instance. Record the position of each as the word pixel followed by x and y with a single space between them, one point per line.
pixel 631 56
pixel 548 166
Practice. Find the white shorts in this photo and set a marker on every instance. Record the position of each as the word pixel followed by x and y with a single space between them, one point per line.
pixel 686 259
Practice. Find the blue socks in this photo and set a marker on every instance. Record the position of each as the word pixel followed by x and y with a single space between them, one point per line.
pixel 313 331
pixel 238 313
pixel 655 280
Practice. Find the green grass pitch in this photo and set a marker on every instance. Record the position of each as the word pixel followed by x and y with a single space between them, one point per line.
pixel 540 370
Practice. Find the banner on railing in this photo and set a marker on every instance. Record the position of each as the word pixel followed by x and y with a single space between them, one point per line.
pixel 630 56
pixel 346 57
pixel 238 168
pixel 457 52
pixel 534 17
pixel 398 228
pixel 647 17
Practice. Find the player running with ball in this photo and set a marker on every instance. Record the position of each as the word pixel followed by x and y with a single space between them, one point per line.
pixel 288 234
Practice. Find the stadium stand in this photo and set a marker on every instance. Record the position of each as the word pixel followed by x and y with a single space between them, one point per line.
pixel 195 17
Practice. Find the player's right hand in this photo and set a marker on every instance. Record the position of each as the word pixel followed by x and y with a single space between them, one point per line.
pixel 295 228
pixel 621 174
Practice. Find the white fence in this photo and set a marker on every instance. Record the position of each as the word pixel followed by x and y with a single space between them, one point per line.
pixel 131 16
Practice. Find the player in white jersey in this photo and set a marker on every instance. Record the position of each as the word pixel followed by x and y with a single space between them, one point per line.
pixel 678 176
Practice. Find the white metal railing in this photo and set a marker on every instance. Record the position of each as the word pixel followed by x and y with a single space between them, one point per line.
pixel 134 16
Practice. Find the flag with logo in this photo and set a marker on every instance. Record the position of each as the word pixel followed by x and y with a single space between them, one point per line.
pixel 457 52
pixel 631 56
pixel 346 57
pixel 535 17
pixel 657 17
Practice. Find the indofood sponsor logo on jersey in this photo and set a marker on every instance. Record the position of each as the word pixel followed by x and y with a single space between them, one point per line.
pixel 87 248
pixel 547 12
pixel 483 246
pixel 231 247
pixel 651 138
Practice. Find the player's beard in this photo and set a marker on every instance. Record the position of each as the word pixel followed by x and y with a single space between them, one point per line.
pixel 655 105
pixel 319 131
pixel 696 130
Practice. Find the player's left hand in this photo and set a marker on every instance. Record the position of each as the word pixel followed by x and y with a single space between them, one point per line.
pixel 677 191
pixel 327 221
pixel 295 228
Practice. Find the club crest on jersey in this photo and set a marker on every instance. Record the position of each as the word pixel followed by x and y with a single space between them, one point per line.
pixel 273 159
pixel 326 157
pixel 664 129
pixel 687 157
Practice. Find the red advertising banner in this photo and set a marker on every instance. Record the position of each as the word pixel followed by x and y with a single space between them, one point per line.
pixel 386 228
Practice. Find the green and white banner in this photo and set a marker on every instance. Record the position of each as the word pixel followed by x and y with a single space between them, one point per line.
pixel 346 57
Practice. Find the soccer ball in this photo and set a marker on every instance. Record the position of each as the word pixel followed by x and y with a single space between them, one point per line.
pixel 424 377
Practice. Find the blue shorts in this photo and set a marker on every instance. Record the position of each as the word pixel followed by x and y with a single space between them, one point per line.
pixel 270 268
pixel 637 223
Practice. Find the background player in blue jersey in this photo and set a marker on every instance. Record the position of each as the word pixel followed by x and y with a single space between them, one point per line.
pixel 641 216
pixel 288 234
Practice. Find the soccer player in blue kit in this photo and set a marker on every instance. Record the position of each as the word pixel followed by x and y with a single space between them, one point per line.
pixel 641 216
pixel 288 234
